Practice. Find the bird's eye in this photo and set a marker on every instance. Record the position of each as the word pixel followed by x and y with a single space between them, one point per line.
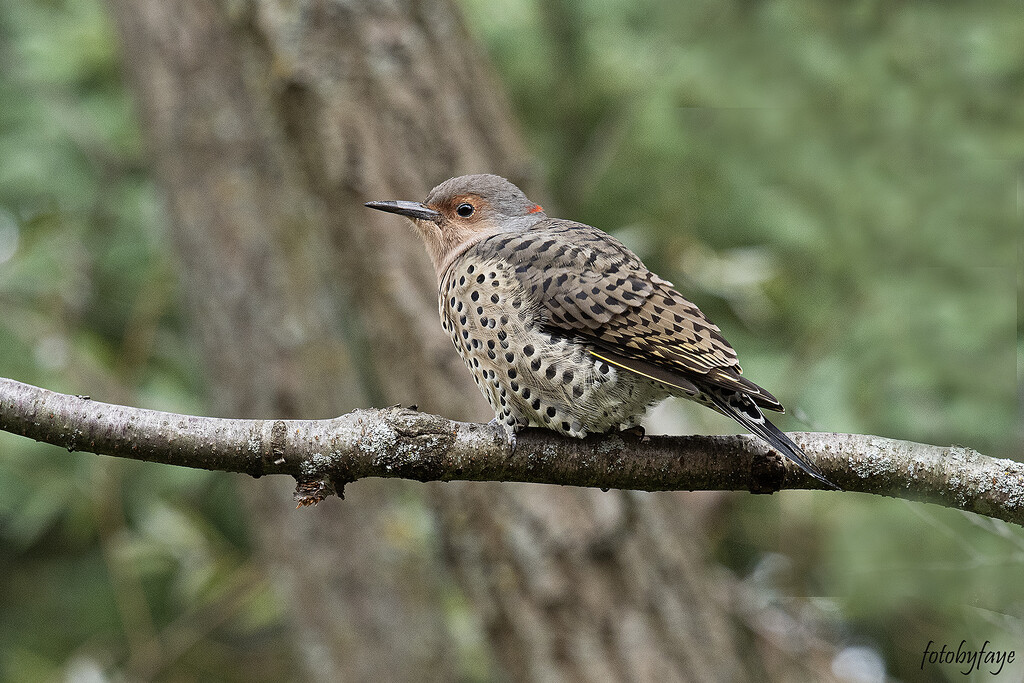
pixel 465 210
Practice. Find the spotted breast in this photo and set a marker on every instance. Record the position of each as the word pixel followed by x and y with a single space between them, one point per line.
pixel 530 374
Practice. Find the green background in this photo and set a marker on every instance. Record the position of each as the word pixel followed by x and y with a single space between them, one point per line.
pixel 838 185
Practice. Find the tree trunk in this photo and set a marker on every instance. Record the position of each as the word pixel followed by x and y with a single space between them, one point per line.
pixel 269 124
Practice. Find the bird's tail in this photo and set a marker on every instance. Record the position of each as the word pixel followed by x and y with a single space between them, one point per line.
pixel 742 409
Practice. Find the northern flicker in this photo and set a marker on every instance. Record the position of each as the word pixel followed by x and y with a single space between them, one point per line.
pixel 563 327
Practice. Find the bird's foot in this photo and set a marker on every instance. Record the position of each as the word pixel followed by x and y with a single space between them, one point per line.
pixel 507 433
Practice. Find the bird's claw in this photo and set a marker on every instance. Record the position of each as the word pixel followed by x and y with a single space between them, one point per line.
pixel 508 434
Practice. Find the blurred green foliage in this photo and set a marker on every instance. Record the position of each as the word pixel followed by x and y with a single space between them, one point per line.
pixel 836 184
pixel 105 565
pixel 852 168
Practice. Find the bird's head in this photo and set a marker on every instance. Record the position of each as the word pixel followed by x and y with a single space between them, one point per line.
pixel 461 211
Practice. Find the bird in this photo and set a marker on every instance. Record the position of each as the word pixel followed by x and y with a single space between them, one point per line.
pixel 564 328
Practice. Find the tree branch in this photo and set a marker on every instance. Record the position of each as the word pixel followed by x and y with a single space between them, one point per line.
pixel 323 455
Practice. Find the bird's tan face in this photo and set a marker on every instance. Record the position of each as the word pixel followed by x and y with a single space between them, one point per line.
pixel 462 217
pixel 454 216
pixel 450 225
pixel 460 221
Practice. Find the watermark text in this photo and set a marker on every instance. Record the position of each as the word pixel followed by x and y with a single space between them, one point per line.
pixel 969 660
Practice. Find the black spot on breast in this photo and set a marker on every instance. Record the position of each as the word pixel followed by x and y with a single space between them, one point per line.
pixel 470 269
pixel 535 364
pixel 577 391
pixel 565 426
pixel 480 278
pixel 528 349
pixel 551 411
pixel 526 392
pixel 462 280
pixel 509 356
pixel 474 295
pixel 550 372
pixel 495 298
pixel 502 335
pixel 536 404
pixel 567 376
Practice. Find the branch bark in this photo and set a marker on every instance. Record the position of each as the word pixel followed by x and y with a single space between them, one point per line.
pixel 324 455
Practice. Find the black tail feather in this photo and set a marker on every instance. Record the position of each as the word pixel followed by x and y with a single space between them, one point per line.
pixel 743 410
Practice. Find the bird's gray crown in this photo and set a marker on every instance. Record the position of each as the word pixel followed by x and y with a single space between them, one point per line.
pixel 502 196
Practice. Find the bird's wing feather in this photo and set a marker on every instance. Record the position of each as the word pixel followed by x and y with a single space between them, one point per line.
pixel 589 284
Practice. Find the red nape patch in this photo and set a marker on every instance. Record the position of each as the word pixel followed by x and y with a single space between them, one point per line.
pixel 537 208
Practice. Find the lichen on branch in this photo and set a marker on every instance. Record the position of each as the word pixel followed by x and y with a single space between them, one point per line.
pixel 324 455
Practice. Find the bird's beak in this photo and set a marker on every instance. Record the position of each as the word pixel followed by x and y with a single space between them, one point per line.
pixel 414 210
